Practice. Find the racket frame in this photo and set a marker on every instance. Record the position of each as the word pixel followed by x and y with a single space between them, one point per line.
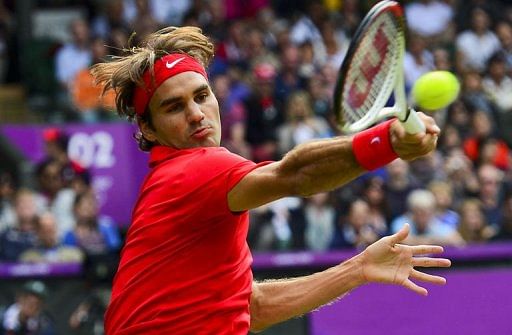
pixel 394 82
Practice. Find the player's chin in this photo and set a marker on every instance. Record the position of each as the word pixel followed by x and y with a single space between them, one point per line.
pixel 209 141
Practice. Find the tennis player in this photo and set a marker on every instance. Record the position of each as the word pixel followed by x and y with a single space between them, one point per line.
pixel 186 266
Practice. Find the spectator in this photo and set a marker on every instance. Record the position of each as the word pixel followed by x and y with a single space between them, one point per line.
pixel 442 59
pixel 505 228
pixel 248 9
pixel 87 318
pixel 118 42
pixel 321 97
pixel 427 168
pixel 334 47
pixel 490 180
pixel 418 60
pixel 144 22
pixel 92 104
pixel 374 194
pixel 497 84
pixel 356 231
pixel 21 237
pixel 231 50
pixel 449 140
pixel 27 316
pixel 270 24
pixel 306 27
pixel 473 227
pixel 301 125
pixel 75 55
pixel 476 45
pixel 398 184
pixel 264 114
pixel 425 226
pixel 93 233
pixel 255 50
pixel 233 117
pixel 504 33
pixel 443 193
pixel 431 19
pixel 7 24
pixel 459 171
pixel 351 14
pixel 483 146
pixel 288 79
pixel 459 116
pixel 7 191
pixel 110 19
pixel 473 94
pixel 320 218
pixel 56 148
pixel 49 248
pixel 53 195
pixel 272 229
pixel 261 233
pixel 308 64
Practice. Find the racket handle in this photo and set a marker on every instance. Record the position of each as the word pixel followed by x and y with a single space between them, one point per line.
pixel 413 124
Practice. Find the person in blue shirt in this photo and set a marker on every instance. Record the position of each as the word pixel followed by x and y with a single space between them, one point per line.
pixel 94 233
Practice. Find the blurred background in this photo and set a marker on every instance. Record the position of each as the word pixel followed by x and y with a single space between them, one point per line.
pixel 70 169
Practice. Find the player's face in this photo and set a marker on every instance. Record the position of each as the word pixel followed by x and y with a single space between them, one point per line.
pixel 185 113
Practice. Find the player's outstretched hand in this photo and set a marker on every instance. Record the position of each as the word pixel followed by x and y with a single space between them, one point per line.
pixel 411 146
pixel 388 261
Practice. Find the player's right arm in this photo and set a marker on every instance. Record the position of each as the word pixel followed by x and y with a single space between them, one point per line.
pixel 321 166
pixel 385 261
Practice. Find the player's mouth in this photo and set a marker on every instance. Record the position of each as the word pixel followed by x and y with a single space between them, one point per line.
pixel 202 132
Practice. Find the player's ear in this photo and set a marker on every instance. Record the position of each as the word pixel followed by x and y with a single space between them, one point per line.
pixel 146 128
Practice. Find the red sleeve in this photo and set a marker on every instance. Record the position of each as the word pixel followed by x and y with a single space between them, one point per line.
pixel 214 173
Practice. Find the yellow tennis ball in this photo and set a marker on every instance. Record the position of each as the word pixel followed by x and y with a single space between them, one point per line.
pixel 435 90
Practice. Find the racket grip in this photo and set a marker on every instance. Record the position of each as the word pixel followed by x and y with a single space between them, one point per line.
pixel 412 123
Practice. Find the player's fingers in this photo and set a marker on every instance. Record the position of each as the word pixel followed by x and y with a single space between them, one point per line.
pixel 429 141
pixel 418 275
pixel 430 124
pixel 429 262
pixel 400 235
pixel 426 249
pixel 415 288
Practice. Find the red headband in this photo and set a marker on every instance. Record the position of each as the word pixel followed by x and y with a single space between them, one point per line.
pixel 164 68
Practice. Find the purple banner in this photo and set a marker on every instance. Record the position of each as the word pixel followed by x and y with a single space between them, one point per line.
pixel 497 251
pixel 107 150
pixel 474 301
pixel 18 270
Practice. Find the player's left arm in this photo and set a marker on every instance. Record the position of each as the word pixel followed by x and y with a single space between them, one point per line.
pixel 321 166
pixel 385 261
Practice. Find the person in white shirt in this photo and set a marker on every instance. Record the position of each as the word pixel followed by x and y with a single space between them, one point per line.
pixel 417 60
pixel 75 55
pixel 431 19
pixel 476 45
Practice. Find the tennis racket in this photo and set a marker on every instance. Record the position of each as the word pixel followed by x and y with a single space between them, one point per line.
pixel 372 70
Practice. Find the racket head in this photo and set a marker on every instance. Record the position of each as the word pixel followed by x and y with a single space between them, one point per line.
pixel 370 69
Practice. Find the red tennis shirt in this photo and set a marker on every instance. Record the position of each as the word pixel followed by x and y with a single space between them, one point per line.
pixel 185 267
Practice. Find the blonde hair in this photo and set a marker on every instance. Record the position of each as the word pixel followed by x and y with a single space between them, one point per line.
pixel 298 98
pixel 124 73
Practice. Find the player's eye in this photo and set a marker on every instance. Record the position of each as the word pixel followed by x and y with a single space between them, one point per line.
pixel 175 108
pixel 201 97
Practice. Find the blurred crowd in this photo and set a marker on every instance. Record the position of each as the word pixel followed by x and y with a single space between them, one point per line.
pixel 274 72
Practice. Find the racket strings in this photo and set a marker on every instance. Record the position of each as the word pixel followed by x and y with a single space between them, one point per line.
pixel 371 70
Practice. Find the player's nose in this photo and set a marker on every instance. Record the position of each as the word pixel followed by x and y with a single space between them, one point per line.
pixel 194 113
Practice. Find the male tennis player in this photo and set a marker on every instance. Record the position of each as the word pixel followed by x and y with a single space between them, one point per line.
pixel 186 267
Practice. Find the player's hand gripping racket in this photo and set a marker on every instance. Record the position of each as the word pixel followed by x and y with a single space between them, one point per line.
pixel 372 70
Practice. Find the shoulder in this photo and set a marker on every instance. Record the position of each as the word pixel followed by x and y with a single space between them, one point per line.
pixel 211 158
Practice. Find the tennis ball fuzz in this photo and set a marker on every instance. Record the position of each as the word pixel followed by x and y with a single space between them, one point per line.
pixel 435 90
